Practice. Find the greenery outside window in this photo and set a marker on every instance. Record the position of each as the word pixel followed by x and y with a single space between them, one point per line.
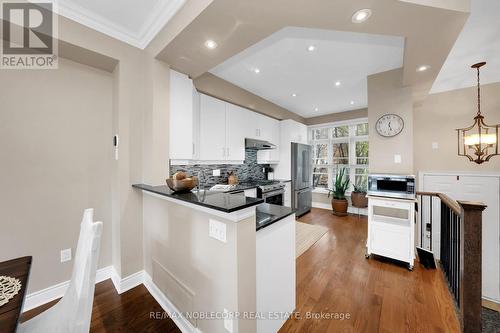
pixel 336 146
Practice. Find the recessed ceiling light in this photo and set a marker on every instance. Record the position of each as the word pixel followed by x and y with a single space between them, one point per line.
pixel 311 48
pixel 294 95
pixel 210 44
pixel 361 15
pixel 352 103
pixel 256 70
pixel 423 68
pixel 337 83
pixel 316 109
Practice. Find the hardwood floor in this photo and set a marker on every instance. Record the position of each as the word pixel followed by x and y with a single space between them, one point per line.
pixel 128 312
pixel 333 277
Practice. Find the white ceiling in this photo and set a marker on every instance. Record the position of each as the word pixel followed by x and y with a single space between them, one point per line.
pixel 478 41
pixel 286 67
pixel 131 21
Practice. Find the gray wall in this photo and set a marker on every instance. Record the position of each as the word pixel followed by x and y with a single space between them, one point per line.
pixel 55 134
pixel 436 120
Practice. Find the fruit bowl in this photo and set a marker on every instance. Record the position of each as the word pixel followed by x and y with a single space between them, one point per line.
pixel 180 183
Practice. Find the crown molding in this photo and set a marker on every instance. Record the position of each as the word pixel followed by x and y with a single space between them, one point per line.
pixel 156 20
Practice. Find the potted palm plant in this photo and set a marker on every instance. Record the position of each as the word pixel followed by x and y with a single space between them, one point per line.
pixel 358 196
pixel 339 202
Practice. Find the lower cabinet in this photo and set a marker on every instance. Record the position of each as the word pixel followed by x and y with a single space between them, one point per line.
pixel 275 250
pixel 391 230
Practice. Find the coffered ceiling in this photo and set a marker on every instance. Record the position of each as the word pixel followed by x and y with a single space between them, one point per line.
pixel 311 71
pixel 131 21
pixel 478 41
pixel 428 28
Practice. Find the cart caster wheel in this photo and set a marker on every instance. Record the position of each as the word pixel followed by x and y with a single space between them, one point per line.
pixel 410 268
pixel 367 256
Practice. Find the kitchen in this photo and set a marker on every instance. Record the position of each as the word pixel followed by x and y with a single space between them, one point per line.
pixel 232 150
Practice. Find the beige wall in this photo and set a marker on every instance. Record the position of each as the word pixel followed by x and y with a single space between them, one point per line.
pixel 217 87
pixel 55 134
pixel 436 119
pixel 386 95
pixel 339 116
pixel 196 272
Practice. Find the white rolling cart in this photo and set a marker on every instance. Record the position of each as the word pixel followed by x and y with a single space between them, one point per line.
pixel 391 230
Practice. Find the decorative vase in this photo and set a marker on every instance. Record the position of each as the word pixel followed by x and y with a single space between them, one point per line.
pixel 339 207
pixel 359 199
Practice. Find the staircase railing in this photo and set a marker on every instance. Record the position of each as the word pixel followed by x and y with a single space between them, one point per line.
pixel 460 245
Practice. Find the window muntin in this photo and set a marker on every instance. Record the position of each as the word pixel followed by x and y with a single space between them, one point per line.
pixel 340 146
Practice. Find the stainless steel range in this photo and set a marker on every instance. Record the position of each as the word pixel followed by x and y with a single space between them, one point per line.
pixel 271 191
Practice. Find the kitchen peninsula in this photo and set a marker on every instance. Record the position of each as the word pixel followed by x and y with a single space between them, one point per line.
pixel 203 251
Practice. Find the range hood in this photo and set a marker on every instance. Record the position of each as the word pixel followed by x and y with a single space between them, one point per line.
pixel 258 144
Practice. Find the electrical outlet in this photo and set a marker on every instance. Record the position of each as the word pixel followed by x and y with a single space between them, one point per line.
pixel 228 321
pixel 435 145
pixel 216 173
pixel 217 230
pixel 65 255
pixel 397 159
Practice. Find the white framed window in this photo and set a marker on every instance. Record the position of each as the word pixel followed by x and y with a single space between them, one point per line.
pixel 340 145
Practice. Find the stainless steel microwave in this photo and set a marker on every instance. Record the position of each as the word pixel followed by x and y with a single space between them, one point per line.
pixel 392 186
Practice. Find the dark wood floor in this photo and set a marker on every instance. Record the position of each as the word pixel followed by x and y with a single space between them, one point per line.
pixel 333 276
pixel 128 312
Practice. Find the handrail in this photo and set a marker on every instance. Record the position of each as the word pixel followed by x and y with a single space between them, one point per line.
pixel 460 253
pixel 452 204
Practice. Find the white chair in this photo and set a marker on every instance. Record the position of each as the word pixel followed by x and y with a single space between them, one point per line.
pixel 73 312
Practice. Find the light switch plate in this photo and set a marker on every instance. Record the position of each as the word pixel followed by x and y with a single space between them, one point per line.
pixel 397 159
pixel 435 145
pixel 217 230
pixel 66 255
pixel 216 173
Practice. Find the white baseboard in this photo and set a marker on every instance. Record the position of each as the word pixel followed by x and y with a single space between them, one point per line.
pixel 51 293
pixel 351 209
pixel 182 323
pixel 127 283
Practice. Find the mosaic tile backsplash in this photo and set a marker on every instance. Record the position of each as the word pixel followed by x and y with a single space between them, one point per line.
pixel 248 170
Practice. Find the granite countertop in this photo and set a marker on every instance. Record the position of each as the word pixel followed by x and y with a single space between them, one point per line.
pixel 225 202
pixel 268 214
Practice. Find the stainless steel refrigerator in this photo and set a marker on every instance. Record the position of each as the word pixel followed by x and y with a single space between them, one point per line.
pixel 301 178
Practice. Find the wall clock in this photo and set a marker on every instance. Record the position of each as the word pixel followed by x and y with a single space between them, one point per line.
pixel 389 125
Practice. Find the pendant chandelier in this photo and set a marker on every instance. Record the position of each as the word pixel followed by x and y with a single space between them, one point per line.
pixel 478 142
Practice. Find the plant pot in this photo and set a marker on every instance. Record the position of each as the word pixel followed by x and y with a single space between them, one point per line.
pixel 359 199
pixel 339 207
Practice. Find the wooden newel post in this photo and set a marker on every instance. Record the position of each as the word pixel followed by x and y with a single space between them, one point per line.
pixel 470 265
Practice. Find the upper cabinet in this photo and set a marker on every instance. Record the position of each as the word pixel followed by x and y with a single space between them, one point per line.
pixel 208 130
pixel 184 118
pixel 212 129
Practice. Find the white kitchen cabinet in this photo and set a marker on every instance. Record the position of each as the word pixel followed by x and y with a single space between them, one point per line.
pixel 290 131
pixel 271 132
pixel 391 231
pixel 275 270
pixel 237 128
pixel 472 187
pixel 184 118
pixel 212 129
